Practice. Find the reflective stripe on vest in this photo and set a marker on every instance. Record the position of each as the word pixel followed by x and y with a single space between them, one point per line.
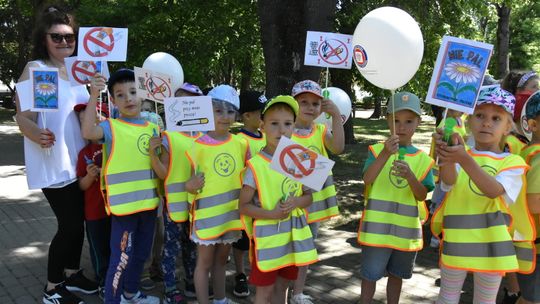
pixel 324 202
pixel 215 209
pixel 179 173
pixel 131 185
pixel 279 244
pixel 392 216
pixel 476 228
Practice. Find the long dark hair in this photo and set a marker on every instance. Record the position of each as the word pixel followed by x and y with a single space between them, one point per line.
pixel 50 16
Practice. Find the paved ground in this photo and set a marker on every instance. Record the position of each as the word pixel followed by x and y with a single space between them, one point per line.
pixel 27 225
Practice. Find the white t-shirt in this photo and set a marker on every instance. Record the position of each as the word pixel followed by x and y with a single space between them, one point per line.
pixel 56 168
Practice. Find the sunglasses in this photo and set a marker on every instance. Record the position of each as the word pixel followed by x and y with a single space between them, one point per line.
pixel 57 38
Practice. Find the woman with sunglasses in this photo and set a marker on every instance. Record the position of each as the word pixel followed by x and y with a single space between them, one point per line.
pixel 51 155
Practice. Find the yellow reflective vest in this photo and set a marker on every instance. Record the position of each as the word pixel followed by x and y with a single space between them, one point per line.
pixel 324 202
pixel 478 232
pixel 392 217
pixel 130 183
pixel 178 174
pixel 215 207
pixel 514 144
pixel 255 144
pixel 279 243
pixel 529 153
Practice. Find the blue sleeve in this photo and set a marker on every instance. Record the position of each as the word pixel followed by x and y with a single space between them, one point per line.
pixel 107 132
pixel 369 160
pixel 165 143
pixel 429 181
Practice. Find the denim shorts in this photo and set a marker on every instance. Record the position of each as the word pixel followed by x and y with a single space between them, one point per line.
pixel 529 284
pixel 378 262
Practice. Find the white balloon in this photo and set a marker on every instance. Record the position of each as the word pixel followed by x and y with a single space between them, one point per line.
pixel 166 63
pixel 343 103
pixel 387 47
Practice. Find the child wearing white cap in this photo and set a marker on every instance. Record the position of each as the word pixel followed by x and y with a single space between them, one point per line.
pixel 217 159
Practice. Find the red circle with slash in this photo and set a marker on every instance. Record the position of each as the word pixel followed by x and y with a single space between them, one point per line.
pixel 80 69
pixel 99 40
pixel 334 56
pixel 159 87
pixel 291 152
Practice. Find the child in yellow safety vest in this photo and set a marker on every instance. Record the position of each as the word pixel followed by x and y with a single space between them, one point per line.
pixel 251 105
pixel 483 220
pixel 217 159
pixel 397 177
pixel 318 138
pixel 281 237
pixel 529 284
pixel 130 184
pixel 173 167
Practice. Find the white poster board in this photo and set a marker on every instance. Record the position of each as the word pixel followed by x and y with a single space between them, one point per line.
pixel 458 74
pixel 102 44
pixel 81 72
pixel 332 50
pixel 153 85
pixel 301 164
pixel 190 113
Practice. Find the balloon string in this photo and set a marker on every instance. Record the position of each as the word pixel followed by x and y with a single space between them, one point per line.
pixel 392 111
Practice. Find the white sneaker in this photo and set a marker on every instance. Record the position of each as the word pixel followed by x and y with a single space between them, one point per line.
pixel 301 299
pixel 140 298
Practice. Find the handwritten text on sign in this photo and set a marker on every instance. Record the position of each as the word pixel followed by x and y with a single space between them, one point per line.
pixel 193 113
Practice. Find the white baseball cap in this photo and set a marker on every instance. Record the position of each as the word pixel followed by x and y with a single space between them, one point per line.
pixel 227 94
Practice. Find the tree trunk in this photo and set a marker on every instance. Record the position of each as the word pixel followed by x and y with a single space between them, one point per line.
pixel 246 73
pixel 284 25
pixel 503 40
pixel 377 107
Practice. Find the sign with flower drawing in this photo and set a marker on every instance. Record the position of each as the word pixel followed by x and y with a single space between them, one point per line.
pixel 44 83
pixel 458 73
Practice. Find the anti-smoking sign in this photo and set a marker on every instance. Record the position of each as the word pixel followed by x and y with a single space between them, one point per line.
pixel 192 113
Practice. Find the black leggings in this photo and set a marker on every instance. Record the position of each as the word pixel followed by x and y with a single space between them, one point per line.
pixel 67 204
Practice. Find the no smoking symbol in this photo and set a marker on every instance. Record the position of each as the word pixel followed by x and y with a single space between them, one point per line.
pixel 158 88
pixel 99 41
pixel 83 70
pixel 298 155
pixel 333 51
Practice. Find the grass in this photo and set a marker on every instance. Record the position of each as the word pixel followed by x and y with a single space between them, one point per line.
pixel 349 165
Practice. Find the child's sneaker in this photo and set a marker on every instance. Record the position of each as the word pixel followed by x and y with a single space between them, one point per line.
pixel 241 288
pixel 101 292
pixel 301 299
pixel 140 298
pixel 174 297
pixel 60 295
pixel 78 282
pixel 147 284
